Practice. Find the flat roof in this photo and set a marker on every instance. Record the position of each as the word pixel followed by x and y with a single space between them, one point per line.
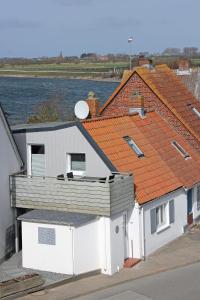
pixel 40 126
pixel 56 217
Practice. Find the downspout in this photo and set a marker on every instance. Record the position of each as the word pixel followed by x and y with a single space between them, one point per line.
pixel 72 231
pixel 105 250
pixel 142 233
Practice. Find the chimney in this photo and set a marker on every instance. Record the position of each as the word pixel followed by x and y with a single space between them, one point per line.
pixel 145 62
pixel 138 105
pixel 183 64
pixel 93 104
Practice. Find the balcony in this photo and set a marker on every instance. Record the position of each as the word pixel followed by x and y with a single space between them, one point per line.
pixel 89 195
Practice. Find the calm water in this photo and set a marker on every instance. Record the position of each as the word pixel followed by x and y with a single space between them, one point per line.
pixel 20 96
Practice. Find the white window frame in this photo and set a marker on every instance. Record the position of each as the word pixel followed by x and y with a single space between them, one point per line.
pixel 75 172
pixel 162 216
pixel 29 157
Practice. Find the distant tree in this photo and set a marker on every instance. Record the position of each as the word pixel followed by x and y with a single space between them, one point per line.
pixel 190 51
pixel 51 110
pixel 172 51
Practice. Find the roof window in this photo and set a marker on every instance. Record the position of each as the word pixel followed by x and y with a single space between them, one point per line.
pixel 195 110
pixel 133 146
pixel 180 149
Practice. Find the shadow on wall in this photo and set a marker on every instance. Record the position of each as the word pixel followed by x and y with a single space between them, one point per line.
pixel 10 241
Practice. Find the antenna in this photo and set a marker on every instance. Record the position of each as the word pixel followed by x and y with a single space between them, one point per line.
pixel 81 110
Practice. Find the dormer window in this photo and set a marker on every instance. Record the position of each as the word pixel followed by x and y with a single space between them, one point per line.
pixel 180 149
pixel 195 110
pixel 133 146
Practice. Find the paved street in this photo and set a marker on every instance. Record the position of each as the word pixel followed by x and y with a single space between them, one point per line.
pixel 182 283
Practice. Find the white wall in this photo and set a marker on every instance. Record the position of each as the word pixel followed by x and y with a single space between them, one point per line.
pixel 86 248
pixel 54 258
pixel 8 165
pixel 174 230
pixel 111 244
pixel 57 144
pixel 134 232
pixel 196 211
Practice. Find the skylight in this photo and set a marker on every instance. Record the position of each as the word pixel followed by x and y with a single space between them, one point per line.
pixel 180 149
pixel 195 110
pixel 133 146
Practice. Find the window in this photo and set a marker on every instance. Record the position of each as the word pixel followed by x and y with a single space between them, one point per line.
pixel 37 149
pixel 76 163
pixel 46 236
pixel 162 216
pixel 180 149
pixel 198 197
pixel 36 160
pixel 195 110
pixel 133 145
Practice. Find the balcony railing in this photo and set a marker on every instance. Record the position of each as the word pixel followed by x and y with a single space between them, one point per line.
pixel 81 194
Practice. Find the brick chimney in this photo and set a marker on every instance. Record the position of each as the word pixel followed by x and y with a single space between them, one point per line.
pixel 144 62
pixel 93 104
pixel 183 64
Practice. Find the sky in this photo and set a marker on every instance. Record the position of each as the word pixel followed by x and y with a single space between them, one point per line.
pixel 34 28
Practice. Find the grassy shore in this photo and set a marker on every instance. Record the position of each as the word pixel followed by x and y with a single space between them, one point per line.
pixel 66 70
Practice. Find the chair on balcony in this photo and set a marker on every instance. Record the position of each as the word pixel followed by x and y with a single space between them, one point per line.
pixel 61 177
pixel 70 175
pixel 102 179
pixel 111 178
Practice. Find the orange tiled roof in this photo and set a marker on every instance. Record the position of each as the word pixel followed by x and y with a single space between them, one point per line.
pixel 171 91
pixel 162 170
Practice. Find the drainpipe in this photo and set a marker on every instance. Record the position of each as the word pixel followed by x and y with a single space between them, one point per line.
pixel 72 234
pixel 105 250
pixel 142 232
pixel 16 231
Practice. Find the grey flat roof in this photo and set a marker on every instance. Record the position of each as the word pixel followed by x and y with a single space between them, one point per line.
pixel 39 126
pixel 56 217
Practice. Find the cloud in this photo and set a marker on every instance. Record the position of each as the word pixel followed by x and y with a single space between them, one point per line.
pixel 18 24
pixel 74 2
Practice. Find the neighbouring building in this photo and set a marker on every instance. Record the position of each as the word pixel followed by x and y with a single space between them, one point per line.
pixel 10 163
pixel 103 215
pixel 158 89
pixel 76 223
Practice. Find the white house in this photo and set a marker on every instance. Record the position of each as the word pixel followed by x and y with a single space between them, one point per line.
pixel 10 163
pixel 94 221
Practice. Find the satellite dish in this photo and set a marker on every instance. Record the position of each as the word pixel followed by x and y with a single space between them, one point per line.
pixel 81 110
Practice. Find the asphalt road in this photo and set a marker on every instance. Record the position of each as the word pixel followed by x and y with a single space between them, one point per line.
pixel 182 283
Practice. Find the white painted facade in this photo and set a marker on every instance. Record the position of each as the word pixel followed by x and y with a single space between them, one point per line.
pixel 97 245
pixel 58 144
pixel 10 163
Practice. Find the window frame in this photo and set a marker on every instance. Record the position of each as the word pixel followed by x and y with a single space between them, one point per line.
pixel 180 149
pixel 69 164
pixel 196 111
pixel 131 143
pixel 29 157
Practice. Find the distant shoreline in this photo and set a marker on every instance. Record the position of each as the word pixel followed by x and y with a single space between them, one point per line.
pixel 60 77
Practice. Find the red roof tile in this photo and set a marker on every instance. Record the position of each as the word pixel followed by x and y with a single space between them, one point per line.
pixel 162 169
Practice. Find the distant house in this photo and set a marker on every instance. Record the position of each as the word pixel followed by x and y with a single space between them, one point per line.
pixel 10 162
